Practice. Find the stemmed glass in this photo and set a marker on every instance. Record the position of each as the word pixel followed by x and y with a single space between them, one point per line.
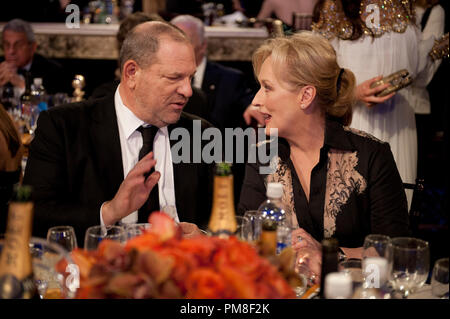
pixel 95 234
pixel 134 230
pixel 64 236
pixel 410 264
pixel 254 226
pixel 439 279
pixel 375 260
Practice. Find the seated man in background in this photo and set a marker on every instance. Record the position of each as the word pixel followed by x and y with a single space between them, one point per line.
pixel 196 105
pixel 19 47
pixel 109 160
pixel 226 89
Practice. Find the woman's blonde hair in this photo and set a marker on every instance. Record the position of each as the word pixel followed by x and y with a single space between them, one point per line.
pixel 309 59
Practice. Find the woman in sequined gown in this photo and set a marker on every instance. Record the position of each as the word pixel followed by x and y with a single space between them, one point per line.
pixel 375 38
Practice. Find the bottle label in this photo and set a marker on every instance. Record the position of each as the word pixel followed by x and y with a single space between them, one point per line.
pixel 223 219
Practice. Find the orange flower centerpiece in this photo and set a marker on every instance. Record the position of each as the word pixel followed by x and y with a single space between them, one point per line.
pixel 161 264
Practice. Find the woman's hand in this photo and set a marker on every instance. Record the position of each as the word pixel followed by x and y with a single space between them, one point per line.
pixel 366 94
pixel 309 251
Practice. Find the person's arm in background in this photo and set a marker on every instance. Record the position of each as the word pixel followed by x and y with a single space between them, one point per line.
pixel 433 30
pixel 267 9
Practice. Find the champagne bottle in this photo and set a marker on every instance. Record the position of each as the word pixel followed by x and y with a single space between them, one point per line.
pixel 330 249
pixel 16 271
pixel 222 222
pixel 26 96
pixel 268 239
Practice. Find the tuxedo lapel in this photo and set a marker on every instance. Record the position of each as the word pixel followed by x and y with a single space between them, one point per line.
pixel 106 145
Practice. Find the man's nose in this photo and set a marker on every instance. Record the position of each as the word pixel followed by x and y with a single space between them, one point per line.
pixel 185 88
pixel 258 100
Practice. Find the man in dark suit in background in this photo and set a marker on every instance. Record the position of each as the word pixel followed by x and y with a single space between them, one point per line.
pixel 84 164
pixel 226 88
pixel 19 47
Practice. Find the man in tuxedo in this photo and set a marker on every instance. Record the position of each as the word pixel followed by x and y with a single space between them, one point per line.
pixel 109 160
pixel 226 88
pixel 19 47
pixel 197 103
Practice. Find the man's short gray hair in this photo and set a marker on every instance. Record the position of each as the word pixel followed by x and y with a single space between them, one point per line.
pixel 191 21
pixel 142 42
pixel 19 25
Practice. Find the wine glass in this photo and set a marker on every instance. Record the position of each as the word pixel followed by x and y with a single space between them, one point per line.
pixel 410 264
pixel 439 279
pixel 64 236
pixel 375 260
pixel 134 230
pixel 242 223
pixel 254 227
pixel 95 234
pixel 352 267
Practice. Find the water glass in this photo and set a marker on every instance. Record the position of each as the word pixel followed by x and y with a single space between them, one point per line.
pixel 242 226
pixel 410 264
pixel 64 236
pixel 134 230
pixel 439 279
pixel 376 254
pixel 254 226
pixel 95 234
pixel 352 267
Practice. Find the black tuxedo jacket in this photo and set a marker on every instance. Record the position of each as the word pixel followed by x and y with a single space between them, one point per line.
pixel 75 165
pixel 227 93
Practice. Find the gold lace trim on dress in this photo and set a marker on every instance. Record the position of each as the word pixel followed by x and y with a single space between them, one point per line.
pixel 394 16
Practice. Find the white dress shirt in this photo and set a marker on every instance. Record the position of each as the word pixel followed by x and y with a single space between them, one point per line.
pixel 200 74
pixel 130 145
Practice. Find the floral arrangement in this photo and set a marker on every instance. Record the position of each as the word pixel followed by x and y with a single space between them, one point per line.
pixel 162 264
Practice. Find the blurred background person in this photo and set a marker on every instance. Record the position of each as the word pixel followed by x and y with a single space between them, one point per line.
pixel 372 51
pixel 10 163
pixel 430 19
pixel 284 10
pixel 226 89
pixel 250 8
pixel 19 47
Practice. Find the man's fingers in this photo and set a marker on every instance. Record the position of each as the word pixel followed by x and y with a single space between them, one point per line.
pixel 247 118
pixel 152 180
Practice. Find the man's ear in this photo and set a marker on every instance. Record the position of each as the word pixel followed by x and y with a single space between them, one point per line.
pixel 306 96
pixel 129 72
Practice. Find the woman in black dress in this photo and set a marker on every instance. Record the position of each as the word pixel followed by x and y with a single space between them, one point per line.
pixel 338 182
